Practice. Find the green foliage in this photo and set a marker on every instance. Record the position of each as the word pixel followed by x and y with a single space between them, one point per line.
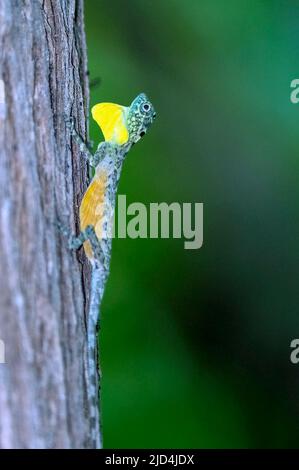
pixel 195 344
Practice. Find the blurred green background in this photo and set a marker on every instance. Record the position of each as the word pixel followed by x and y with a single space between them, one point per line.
pixel 195 344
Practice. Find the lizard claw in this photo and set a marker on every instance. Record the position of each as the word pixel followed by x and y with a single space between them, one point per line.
pixel 70 123
pixel 90 145
pixel 62 228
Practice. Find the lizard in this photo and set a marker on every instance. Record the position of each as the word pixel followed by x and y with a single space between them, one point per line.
pixel 122 127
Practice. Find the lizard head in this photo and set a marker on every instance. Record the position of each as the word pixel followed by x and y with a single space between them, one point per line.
pixel 141 115
pixel 122 125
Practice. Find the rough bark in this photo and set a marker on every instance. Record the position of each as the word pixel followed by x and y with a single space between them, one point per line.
pixel 42 302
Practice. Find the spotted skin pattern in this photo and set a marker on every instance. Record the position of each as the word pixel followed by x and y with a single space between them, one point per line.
pixel 96 215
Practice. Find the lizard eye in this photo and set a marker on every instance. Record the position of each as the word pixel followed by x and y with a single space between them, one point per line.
pixel 142 133
pixel 146 107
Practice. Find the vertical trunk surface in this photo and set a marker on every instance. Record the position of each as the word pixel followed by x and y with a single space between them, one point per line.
pixel 43 78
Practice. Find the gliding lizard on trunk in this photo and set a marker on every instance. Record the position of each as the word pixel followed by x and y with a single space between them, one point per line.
pixel 122 127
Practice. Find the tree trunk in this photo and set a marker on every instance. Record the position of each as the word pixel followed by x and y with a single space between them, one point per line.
pixel 43 79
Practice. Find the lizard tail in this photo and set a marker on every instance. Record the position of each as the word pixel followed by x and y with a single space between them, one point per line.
pixel 93 385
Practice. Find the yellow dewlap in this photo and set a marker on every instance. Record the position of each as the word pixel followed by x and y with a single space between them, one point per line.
pixel 91 209
pixel 111 119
